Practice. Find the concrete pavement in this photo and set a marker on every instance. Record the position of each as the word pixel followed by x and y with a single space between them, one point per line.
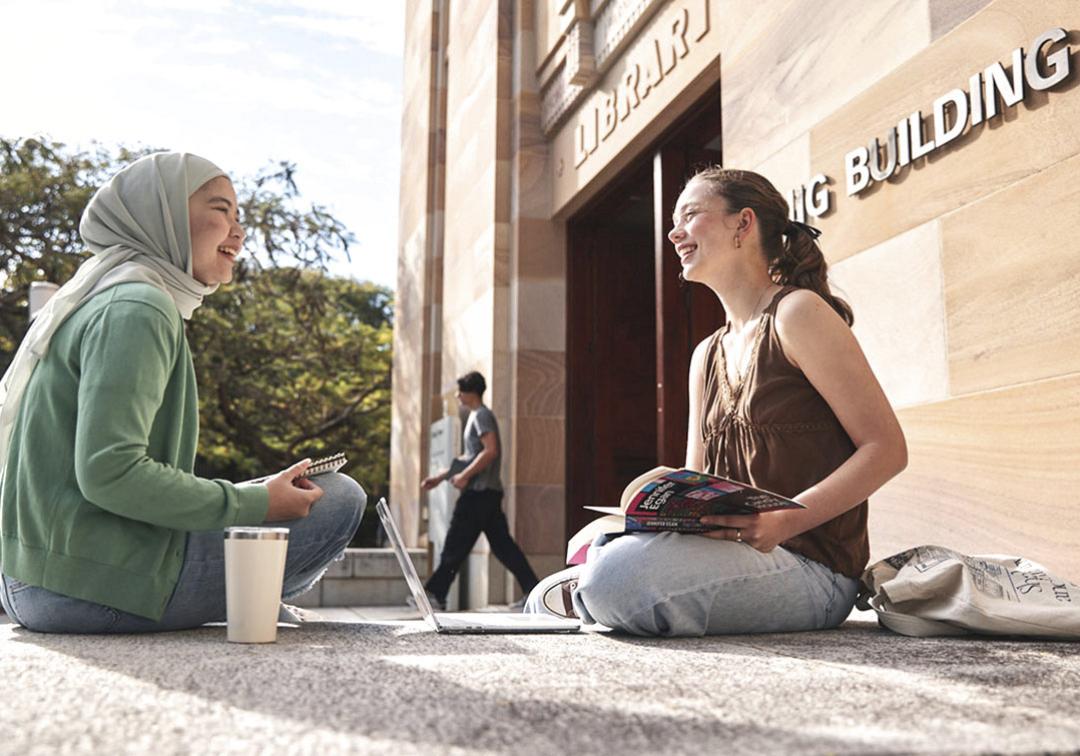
pixel 367 681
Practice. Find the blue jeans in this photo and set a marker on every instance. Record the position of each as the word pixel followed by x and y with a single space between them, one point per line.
pixel 669 584
pixel 199 597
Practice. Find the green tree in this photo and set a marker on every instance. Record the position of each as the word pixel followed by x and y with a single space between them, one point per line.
pixel 43 191
pixel 291 361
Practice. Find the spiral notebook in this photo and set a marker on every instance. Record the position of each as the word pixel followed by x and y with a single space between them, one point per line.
pixel 333 463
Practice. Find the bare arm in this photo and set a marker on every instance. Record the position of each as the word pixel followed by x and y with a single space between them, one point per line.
pixel 695 444
pixel 481 462
pixel 429 483
pixel 819 343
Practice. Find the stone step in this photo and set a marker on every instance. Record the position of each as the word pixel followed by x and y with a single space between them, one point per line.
pixel 365 577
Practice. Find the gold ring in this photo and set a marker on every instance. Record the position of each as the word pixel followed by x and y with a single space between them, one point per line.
pixel 738 535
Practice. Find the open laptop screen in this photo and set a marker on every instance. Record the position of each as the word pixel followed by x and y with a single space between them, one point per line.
pixel 407 567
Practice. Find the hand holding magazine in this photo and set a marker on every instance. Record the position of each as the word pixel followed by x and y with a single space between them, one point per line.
pixel 675 500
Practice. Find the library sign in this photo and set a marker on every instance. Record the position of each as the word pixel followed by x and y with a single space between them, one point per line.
pixel 989 92
pixel 671 59
pixel 645 69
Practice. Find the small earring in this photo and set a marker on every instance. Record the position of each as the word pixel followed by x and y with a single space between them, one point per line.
pixel 738 242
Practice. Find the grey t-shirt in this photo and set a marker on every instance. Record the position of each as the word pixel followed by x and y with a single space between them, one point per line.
pixel 482 420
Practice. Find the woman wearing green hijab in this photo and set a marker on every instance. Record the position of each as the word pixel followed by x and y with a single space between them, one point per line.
pixel 103 525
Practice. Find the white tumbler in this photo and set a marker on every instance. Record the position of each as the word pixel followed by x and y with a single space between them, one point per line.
pixel 254 571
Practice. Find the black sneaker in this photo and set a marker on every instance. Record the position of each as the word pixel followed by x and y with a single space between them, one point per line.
pixel 437 604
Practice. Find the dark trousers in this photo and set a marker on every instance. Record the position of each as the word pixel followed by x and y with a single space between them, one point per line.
pixel 479 512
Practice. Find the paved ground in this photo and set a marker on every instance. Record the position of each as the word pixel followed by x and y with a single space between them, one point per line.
pixel 368 682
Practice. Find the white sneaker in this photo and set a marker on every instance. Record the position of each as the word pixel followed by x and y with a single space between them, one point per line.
pixel 297 615
pixel 555 597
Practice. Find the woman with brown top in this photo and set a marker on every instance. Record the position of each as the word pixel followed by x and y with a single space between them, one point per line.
pixel 781 397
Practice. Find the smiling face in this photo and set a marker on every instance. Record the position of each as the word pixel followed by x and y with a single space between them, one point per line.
pixel 704 230
pixel 216 234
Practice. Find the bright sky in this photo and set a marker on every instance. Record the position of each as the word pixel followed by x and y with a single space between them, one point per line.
pixel 241 82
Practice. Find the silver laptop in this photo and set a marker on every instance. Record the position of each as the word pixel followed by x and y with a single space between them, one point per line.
pixel 466 622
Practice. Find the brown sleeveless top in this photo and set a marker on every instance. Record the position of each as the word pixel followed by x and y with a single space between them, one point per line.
pixel 775 431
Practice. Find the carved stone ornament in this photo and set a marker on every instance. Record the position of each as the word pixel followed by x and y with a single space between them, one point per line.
pixel 591 47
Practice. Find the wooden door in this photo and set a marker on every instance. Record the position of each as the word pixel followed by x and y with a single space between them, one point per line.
pixel 611 343
pixel 686 313
pixel 631 324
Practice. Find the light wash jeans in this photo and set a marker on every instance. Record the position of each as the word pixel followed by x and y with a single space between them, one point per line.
pixel 670 584
pixel 199 597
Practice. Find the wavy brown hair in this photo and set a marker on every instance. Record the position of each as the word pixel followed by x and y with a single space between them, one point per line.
pixel 791 250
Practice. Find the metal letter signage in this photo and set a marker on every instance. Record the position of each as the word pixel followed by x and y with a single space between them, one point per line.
pixel 644 72
pixel 989 93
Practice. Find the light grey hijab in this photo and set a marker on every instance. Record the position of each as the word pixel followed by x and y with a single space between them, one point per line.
pixel 137 228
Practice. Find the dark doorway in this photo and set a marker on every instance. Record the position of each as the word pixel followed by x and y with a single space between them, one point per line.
pixel 611 347
pixel 631 324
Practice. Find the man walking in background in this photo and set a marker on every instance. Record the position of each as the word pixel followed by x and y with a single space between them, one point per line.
pixel 479 507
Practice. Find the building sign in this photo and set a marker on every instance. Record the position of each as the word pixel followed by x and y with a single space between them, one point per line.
pixel 645 70
pixel 670 63
pixel 988 93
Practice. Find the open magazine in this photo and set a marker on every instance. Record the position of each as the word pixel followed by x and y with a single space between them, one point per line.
pixel 668 499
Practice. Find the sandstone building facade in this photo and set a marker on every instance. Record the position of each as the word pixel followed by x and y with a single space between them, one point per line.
pixel 935 142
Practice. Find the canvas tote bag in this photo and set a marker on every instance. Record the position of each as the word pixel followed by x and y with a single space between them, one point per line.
pixel 932 590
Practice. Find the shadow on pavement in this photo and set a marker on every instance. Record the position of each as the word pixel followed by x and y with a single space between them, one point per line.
pixel 522 694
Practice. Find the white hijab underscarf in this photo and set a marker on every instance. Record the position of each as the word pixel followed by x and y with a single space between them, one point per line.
pixel 137 228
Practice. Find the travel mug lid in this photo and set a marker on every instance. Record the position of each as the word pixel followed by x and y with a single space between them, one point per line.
pixel 257 533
